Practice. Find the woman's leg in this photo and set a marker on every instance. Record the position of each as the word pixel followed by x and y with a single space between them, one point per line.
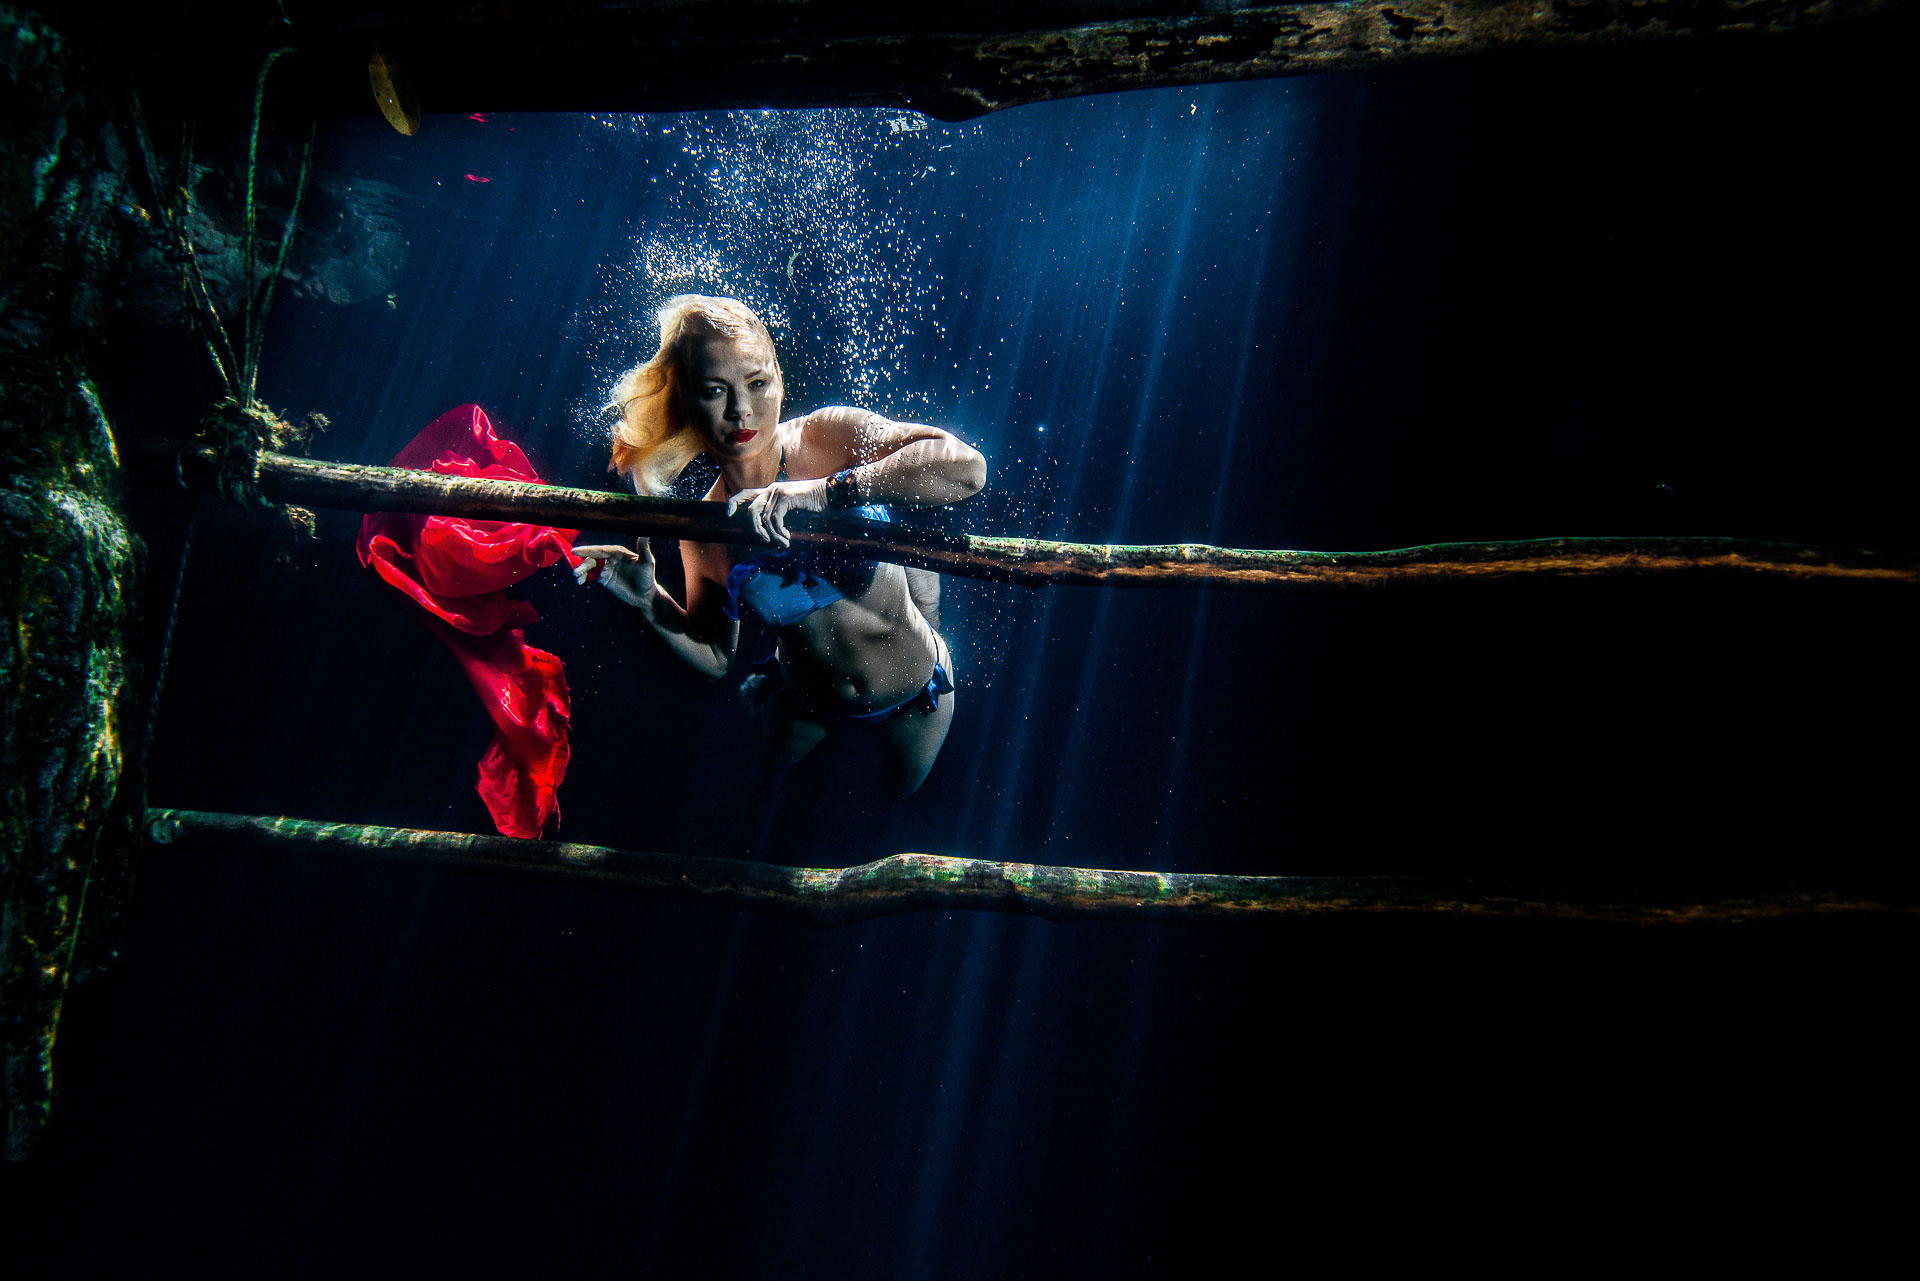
pixel 915 736
pixel 789 734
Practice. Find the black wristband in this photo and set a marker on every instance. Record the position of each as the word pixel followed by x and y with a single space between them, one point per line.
pixel 842 489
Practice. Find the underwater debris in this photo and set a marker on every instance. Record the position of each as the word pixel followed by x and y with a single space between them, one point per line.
pixel 229 435
pixel 227 445
pixel 393 94
pixel 305 527
pixel 254 423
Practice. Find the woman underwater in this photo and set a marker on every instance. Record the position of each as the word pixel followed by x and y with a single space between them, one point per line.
pixel 857 642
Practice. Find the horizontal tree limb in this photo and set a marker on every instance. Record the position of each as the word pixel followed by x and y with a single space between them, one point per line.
pixel 919 882
pixel 950 60
pixel 1037 562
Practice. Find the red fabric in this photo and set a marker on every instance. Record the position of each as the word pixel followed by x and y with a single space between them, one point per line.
pixel 454 573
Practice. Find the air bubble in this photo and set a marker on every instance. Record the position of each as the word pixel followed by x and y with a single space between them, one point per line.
pixel 752 193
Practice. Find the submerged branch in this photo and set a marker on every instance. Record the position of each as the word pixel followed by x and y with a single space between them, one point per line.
pixel 955 61
pixel 1036 563
pixel 914 882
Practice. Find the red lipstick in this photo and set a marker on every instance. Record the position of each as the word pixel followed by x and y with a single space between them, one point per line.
pixel 742 437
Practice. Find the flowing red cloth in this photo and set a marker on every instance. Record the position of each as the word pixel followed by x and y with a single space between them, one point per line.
pixel 455 572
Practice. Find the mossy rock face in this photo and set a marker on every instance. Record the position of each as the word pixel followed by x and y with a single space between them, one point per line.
pixel 69 564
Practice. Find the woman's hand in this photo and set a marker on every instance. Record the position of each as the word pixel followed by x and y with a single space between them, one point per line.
pixel 627 574
pixel 769 507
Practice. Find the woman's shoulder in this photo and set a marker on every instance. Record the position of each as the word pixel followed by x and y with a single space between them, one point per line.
pixel 829 438
pixel 832 421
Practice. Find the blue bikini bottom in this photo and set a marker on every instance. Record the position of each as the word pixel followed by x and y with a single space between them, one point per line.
pixel 927 699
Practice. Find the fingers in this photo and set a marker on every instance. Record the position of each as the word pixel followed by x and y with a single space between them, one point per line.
pixel 755 501
pixel 767 508
pixel 606 553
pixel 598 559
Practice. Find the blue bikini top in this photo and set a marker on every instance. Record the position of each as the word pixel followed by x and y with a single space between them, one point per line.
pixel 781 588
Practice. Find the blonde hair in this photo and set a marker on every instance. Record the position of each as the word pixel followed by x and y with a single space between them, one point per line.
pixel 652 439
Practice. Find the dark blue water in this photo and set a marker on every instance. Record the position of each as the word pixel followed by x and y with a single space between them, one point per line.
pixel 1499 299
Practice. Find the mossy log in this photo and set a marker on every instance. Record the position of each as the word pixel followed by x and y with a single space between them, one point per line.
pixel 1037 562
pixel 922 882
pixel 953 61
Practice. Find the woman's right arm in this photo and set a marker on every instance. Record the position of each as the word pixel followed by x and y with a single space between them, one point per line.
pixel 699 632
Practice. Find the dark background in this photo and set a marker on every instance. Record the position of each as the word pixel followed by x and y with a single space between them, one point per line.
pixel 1659 291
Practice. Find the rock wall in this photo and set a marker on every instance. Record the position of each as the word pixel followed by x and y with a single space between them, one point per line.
pixel 69 705
pixel 349 244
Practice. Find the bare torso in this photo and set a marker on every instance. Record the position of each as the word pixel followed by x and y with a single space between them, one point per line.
pixel 869 650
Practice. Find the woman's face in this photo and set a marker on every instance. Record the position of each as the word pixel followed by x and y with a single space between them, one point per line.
pixel 733 395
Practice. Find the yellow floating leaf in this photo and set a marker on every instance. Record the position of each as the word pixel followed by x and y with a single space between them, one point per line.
pixel 393 94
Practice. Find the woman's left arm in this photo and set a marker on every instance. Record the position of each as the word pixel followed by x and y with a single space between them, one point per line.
pixel 882 461
pixel 870 459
